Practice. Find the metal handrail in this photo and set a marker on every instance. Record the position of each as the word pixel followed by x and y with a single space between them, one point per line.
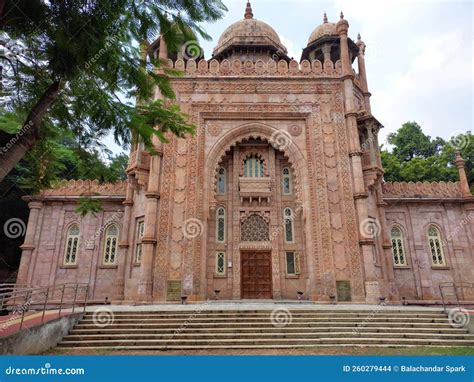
pixel 43 296
pixel 455 286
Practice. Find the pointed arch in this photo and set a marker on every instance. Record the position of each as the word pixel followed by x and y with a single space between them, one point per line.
pixel 278 139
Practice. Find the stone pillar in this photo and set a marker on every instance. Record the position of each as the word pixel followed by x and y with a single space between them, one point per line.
pixel 236 268
pixel 360 195
pixel 151 217
pixel 28 245
pixel 145 289
pixel 326 49
pixel 466 192
pixel 124 244
pixel 363 73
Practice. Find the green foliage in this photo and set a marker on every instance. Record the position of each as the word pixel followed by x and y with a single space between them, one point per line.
pixel 87 204
pixel 9 122
pixel 417 158
pixel 410 142
pixel 92 48
pixel 65 158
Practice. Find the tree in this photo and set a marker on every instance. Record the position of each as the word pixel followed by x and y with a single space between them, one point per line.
pixel 411 142
pixel 417 158
pixel 76 66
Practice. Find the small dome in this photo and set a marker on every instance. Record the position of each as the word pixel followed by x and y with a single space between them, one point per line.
pixel 325 29
pixel 249 32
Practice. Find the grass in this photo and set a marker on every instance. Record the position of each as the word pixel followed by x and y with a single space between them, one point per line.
pixel 421 350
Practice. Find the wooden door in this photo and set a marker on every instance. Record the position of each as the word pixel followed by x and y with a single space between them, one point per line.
pixel 256 274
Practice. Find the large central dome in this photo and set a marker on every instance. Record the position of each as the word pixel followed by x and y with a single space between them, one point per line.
pixel 249 32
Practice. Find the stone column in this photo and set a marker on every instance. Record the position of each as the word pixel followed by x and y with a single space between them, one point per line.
pixel 124 244
pixel 326 49
pixel 145 289
pixel 466 192
pixel 363 73
pixel 360 195
pixel 28 245
pixel 236 262
pixel 151 217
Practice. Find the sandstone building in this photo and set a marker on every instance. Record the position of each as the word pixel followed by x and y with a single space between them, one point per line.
pixel 279 195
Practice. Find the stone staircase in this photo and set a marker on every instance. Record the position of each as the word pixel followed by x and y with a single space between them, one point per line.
pixel 264 329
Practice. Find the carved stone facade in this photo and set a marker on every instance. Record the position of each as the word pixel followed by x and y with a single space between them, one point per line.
pixel 284 164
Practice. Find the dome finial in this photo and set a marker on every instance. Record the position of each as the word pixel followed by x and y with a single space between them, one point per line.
pixel 342 15
pixel 358 37
pixel 325 18
pixel 248 11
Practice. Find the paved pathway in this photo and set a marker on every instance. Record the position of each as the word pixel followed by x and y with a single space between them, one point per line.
pixel 11 323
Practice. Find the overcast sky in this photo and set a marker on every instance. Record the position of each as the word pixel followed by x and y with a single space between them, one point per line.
pixel 419 53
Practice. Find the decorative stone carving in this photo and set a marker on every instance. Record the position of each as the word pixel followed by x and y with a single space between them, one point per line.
pixel 421 190
pixel 295 130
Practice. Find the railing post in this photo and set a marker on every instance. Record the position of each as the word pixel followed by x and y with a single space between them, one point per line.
pixel 45 304
pixel 442 297
pixel 85 297
pixel 75 295
pixel 456 294
pixel 62 299
pixel 28 294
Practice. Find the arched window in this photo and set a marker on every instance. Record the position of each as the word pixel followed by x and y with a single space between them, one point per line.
pixel 221 181
pixel 220 225
pixel 288 223
pixel 253 167
pixel 72 245
pixel 436 248
pixel 286 181
pixel 398 250
pixel 110 245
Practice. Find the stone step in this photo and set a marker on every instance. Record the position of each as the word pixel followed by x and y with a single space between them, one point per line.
pixel 286 329
pixel 241 347
pixel 269 341
pixel 267 324
pixel 213 336
pixel 267 318
pixel 267 314
pixel 239 329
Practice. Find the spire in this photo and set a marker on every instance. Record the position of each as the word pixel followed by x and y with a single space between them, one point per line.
pixel 358 37
pixel 463 182
pixel 248 11
pixel 325 18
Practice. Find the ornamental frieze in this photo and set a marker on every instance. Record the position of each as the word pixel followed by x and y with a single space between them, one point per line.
pixel 421 189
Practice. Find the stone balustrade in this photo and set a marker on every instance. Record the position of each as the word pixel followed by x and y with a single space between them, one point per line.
pixel 255 188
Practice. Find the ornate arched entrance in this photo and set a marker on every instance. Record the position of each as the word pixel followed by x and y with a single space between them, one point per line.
pixel 253 176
